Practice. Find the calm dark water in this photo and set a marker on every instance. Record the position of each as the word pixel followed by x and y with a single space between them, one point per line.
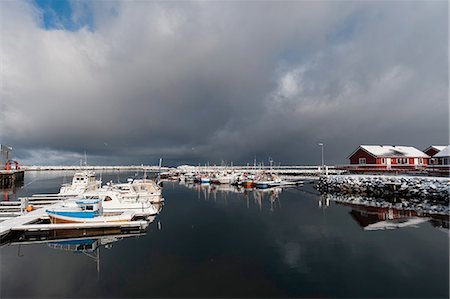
pixel 212 243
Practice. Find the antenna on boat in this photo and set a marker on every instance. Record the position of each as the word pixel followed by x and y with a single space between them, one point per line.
pixel 145 174
pixel 158 178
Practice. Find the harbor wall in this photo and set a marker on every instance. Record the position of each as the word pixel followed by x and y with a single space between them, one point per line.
pixel 409 187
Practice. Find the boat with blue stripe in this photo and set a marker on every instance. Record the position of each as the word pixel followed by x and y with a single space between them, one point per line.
pixel 86 210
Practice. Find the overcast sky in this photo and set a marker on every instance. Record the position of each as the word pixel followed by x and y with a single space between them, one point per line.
pixel 129 82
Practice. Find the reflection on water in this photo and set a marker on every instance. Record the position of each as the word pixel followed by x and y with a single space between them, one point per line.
pixel 226 241
pixel 89 246
pixel 80 241
pixel 8 194
pixel 211 191
pixel 369 213
pixel 373 214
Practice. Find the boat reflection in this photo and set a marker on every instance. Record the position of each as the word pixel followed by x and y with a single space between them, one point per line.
pixel 373 214
pixel 89 246
pixel 259 196
pixel 80 241
pixel 272 194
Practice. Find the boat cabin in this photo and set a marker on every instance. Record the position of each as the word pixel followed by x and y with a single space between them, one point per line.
pixel 90 205
pixel 83 178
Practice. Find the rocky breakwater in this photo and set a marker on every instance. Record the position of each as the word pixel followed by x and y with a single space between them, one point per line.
pixel 415 189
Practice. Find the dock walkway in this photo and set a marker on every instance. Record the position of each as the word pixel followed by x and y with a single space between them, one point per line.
pixel 7 225
pixel 25 222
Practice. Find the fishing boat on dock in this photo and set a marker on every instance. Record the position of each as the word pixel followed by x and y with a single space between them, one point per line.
pixel 86 210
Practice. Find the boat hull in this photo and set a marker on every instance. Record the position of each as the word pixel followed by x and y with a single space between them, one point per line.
pixel 112 217
pixel 248 184
pixel 262 185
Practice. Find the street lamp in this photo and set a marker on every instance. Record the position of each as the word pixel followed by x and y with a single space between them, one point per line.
pixel 321 145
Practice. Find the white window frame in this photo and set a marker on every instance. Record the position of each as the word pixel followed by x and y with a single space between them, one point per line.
pixel 362 161
pixel 403 161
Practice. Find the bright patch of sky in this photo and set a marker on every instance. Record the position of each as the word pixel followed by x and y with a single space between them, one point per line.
pixel 65 15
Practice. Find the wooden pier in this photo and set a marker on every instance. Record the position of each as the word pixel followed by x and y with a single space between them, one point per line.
pixel 11 178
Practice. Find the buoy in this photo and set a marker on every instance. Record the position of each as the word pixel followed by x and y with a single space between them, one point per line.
pixel 29 208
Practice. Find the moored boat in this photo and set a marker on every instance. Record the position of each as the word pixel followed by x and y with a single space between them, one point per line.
pixel 266 180
pixel 85 210
pixel 84 181
pixel 204 180
pixel 138 190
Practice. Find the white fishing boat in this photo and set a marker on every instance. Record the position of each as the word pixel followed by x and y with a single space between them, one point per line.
pixel 138 190
pixel 266 180
pixel 86 210
pixel 223 178
pixel 114 201
pixel 82 182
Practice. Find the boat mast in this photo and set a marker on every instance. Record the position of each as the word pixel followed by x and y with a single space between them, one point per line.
pixel 159 170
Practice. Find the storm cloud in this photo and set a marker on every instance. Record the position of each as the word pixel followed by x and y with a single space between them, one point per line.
pixel 209 81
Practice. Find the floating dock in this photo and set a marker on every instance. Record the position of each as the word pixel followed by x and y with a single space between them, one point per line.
pixel 37 221
pixel 7 226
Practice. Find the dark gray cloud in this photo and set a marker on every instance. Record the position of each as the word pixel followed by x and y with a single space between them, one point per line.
pixel 211 81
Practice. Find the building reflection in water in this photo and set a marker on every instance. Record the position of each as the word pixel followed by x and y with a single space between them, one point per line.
pixel 370 214
pixel 381 215
pixel 8 194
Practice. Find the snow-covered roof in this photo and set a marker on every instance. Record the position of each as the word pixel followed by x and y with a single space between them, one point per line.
pixel 445 152
pixel 436 147
pixel 394 151
pixel 439 147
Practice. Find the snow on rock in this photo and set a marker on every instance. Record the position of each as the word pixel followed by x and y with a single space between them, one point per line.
pixel 415 189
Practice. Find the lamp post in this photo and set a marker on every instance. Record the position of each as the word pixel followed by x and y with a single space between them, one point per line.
pixel 321 145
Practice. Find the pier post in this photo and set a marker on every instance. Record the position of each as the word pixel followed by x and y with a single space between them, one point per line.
pixel 23 204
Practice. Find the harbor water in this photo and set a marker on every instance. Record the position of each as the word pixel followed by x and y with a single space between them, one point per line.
pixel 221 241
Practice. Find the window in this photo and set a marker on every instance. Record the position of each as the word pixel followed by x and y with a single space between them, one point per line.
pixel 420 160
pixel 402 160
pixel 383 161
pixel 362 160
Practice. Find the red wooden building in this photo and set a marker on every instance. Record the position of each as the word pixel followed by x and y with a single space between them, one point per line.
pixel 384 158
pixel 441 165
pixel 433 150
